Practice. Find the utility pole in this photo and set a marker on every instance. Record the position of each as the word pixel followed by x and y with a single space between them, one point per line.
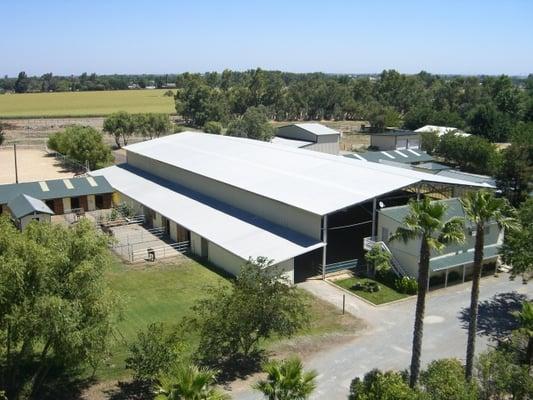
pixel 16 168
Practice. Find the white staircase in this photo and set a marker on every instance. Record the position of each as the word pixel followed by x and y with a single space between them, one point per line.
pixel 369 243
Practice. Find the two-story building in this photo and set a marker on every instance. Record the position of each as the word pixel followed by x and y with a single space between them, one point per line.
pixel 455 262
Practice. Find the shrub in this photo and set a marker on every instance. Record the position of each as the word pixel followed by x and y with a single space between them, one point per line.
pixel 154 352
pixel 370 287
pixel 377 385
pixel 178 129
pixel 406 285
pixel 378 259
pixel 213 127
pixel 445 380
pixel 386 276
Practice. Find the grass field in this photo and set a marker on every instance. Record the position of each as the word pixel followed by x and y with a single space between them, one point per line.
pixel 384 295
pixel 165 292
pixel 80 104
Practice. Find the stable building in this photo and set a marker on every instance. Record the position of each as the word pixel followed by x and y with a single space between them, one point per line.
pixel 62 196
pixel 234 199
pixel 309 136
pixel 23 209
pixel 393 157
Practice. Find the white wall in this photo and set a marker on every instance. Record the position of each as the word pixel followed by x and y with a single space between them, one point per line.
pixel 24 221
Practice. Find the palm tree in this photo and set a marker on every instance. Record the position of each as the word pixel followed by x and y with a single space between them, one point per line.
pixel 189 383
pixel 286 380
pixel 525 318
pixel 481 207
pixel 425 222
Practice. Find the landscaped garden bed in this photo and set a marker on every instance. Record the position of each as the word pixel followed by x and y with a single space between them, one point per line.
pixel 366 288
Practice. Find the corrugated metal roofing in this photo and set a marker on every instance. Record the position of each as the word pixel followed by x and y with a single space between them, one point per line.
pixel 397 132
pixel 238 232
pixel 55 188
pixel 433 166
pixel 317 129
pixel 455 260
pixel 317 182
pixel 484 180
pixel 442 130
pixel 23 205
pixel 398 213
pixel 402 156
pixel 290 142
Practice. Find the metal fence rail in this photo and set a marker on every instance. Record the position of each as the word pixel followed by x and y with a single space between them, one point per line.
pixel 160 251
pixel 341 266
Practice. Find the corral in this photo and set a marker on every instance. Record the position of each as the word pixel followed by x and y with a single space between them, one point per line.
pixel 33 163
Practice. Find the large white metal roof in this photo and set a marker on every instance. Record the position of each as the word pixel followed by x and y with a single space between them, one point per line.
pixel 290 142
pixel 238 232
pixel 317 182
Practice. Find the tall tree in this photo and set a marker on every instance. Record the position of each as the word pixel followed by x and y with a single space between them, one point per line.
pixel 517 250
pixel 121 126
pixel 56 310
pixel 23 83
pixel 481 207
pixel 254 124
pixel 525 319
pixel 425 223
pixel 286 380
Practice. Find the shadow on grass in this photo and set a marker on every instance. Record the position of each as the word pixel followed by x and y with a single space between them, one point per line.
pixel 134 390
pixel 240 368
pixel 65 387
pixel 495 318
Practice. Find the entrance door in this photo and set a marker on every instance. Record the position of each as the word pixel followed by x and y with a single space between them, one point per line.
pixel 204 248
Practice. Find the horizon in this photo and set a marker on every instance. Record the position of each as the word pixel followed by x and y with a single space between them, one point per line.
pixel 340 37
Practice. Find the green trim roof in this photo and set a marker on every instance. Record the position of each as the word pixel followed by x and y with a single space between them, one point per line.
pixel 433 166
pixel 56 188
pixel 455 209
pixel 23 205
pixel 444 263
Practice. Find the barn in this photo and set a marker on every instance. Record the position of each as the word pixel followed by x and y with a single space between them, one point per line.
pixel 236 198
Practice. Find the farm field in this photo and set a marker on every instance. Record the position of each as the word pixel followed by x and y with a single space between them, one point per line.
pixel 165 291
pixel 80 104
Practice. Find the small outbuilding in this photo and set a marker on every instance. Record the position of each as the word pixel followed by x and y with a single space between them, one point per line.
pixel 24 209
pixel 395 140
pixel 309 136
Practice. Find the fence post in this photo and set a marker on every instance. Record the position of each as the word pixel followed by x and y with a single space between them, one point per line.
pixel 343 303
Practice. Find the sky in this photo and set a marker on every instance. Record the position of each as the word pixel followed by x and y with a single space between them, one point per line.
pixel 333 36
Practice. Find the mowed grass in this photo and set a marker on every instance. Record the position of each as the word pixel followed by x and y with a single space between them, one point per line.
pixel 384 295
pixel 165 292
pixel 83 104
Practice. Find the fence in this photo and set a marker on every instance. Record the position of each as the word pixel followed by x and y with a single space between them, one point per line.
pixel 154 253
pixel 340 266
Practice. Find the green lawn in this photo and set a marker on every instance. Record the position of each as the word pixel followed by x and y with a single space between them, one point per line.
pixel 165 292
pixel 83 104
pixel 384 295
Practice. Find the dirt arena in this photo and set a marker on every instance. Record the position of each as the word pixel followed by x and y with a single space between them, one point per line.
pixel 33 165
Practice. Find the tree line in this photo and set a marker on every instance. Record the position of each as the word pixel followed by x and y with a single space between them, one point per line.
pixel 49 82
pixel 486 106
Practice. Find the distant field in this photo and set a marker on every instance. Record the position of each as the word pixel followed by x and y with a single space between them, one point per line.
pixel 80 104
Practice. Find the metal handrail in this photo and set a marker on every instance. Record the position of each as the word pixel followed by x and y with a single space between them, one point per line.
pixel 369 242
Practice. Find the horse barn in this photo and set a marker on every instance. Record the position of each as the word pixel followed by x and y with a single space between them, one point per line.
pixel 235 198
pixel 61 196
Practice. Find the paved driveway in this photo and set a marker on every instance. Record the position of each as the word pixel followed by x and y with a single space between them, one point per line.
pixel 386 344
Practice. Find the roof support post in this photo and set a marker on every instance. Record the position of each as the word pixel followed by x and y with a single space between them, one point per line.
pixel 374 200
pixel 325 241
pixel 464 272
pixel 446 279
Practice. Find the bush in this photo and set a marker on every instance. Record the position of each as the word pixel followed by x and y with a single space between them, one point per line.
pixel 406 285
pixel 233 321
pixel 154 352
pixel 445 380
pixel 178 129
pixel 213 127
pixel 370 287
pixel 386 276
pixel 377 385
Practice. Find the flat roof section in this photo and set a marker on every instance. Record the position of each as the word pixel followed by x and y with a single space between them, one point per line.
pixel 236 231
pixel 290 142
pixel 316 182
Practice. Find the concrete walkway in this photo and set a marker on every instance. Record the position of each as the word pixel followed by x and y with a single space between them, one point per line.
pixel 386 344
